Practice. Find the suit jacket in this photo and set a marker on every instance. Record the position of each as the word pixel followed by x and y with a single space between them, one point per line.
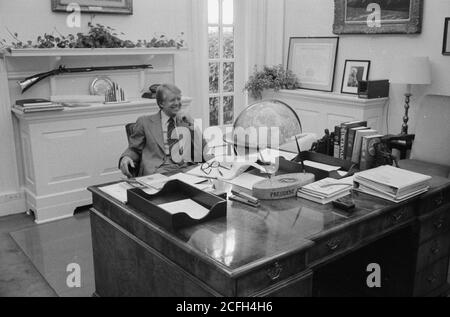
pixel 146 144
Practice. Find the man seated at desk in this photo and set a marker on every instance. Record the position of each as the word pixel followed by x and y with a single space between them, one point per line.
pixel 154 141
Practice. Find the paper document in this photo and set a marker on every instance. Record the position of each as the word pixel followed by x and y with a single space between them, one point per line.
pixel 321 166
pixel 246 180
pixel 269 155
pixel 155 181
pixel 189 179
pixel 329 186
pixel 188 206
pixel 118 191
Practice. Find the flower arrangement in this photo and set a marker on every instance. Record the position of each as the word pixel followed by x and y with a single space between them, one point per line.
pixel 275 77
pixel 99 36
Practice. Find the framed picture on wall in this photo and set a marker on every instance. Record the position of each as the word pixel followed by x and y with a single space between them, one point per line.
pixel 94 6
pixel 377 16
pixel 354 71
pixel 446 43
pixel 313 60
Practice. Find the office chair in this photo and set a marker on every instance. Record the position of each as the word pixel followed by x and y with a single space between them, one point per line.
pixel 129 128
pixel 430 152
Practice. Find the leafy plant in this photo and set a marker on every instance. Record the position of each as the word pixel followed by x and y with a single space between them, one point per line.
pixel 98 36
pixel 275 77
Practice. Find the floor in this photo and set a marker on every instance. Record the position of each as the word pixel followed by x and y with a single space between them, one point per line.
pixel 34 258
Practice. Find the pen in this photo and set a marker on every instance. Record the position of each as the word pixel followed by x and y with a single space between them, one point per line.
pixel 242 200
pixel 245 196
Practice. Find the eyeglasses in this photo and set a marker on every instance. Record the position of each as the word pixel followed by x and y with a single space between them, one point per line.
pixel 208 167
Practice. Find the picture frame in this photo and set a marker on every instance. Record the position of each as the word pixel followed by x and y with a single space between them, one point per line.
pixel 313 60
pixel 446 41
pixel 354 71
pixel 378 17
pixel 95 6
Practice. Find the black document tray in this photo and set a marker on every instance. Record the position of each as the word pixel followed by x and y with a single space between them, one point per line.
pixel 294 166
pixel 175 190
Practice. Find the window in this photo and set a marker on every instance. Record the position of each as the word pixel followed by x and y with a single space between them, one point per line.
pixel 221 59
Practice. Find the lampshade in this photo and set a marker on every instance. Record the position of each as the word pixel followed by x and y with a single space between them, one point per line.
pixel 413 70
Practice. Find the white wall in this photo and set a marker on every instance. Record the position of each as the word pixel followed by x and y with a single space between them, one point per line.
pixel 32 18
pixel 315 18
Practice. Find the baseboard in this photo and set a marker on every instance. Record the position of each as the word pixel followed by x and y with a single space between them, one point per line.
pixel 12 203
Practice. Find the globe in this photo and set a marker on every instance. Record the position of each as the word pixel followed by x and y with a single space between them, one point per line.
pixel 268 114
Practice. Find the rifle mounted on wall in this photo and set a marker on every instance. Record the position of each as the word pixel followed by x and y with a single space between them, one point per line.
pixel 30 81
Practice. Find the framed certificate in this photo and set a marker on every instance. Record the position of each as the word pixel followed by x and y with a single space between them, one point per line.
pixel 313 60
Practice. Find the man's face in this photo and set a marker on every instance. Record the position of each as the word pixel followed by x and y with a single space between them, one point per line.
pixel 171 104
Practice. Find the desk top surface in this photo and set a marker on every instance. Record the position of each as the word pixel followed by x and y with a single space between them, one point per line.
pixel 249 236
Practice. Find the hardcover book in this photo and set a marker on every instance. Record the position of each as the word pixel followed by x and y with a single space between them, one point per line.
pixel 356 152
pixel 368 151
pixel 33 102
pixel 351 140
pixel 345 127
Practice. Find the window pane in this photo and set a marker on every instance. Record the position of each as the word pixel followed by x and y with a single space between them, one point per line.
pixel 228 42
pixel 213 41
pixel 214 78
pixel 214 111
pixel 228 110
pixel 228 77
pixel 213 11
pixel 228 12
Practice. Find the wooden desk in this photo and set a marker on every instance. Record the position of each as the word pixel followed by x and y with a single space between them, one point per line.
pixel 290 247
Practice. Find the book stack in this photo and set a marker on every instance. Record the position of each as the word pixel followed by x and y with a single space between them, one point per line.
pixel 391 183
pixel 36 105
pixel 326 190
pixel 354 141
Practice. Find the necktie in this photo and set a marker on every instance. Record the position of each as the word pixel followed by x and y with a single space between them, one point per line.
pixel 171 139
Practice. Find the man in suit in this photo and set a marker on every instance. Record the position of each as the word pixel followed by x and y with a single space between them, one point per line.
pixel 153 142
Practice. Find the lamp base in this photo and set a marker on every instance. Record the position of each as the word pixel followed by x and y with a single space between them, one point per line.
pixel 405 117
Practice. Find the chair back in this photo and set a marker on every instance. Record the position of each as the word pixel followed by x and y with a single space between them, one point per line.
pixel 129 128
pixel 432 141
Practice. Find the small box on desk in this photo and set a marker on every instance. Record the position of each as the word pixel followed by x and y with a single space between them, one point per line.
pixel 295 166
pixel 370 89
pixel 173 191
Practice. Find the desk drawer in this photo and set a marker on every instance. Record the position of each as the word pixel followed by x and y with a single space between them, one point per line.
pixel 398 217
pixel 435 200
pixel 297 286
pixel 432 250
pixel 434 224
pixel 431 278
pixel 333 244
pixel 271 274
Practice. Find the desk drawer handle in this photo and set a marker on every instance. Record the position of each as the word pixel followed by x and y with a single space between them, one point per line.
pixel 274 272
pixel 438 224
pixel 398 216
pixel 438 201
pixel 432 278
pixel 435 250
pixel 334 244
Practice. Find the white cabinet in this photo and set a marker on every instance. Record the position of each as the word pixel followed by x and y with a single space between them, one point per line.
pixel 323 110
pixel 61 153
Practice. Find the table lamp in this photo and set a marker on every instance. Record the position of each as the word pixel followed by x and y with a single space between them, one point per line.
pixel 412 70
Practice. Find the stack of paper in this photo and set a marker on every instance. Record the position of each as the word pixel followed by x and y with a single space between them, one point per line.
pixel 391 183
pixel 326 190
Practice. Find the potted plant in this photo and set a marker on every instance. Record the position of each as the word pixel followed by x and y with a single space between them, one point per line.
pixel 275 77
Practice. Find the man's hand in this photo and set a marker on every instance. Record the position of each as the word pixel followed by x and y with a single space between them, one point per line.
pixel 125 162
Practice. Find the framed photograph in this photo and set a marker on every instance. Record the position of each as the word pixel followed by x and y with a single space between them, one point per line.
pixel 96 6
pixel 377 16
pixel 354 71
pixel 313 60
pixel 446 45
